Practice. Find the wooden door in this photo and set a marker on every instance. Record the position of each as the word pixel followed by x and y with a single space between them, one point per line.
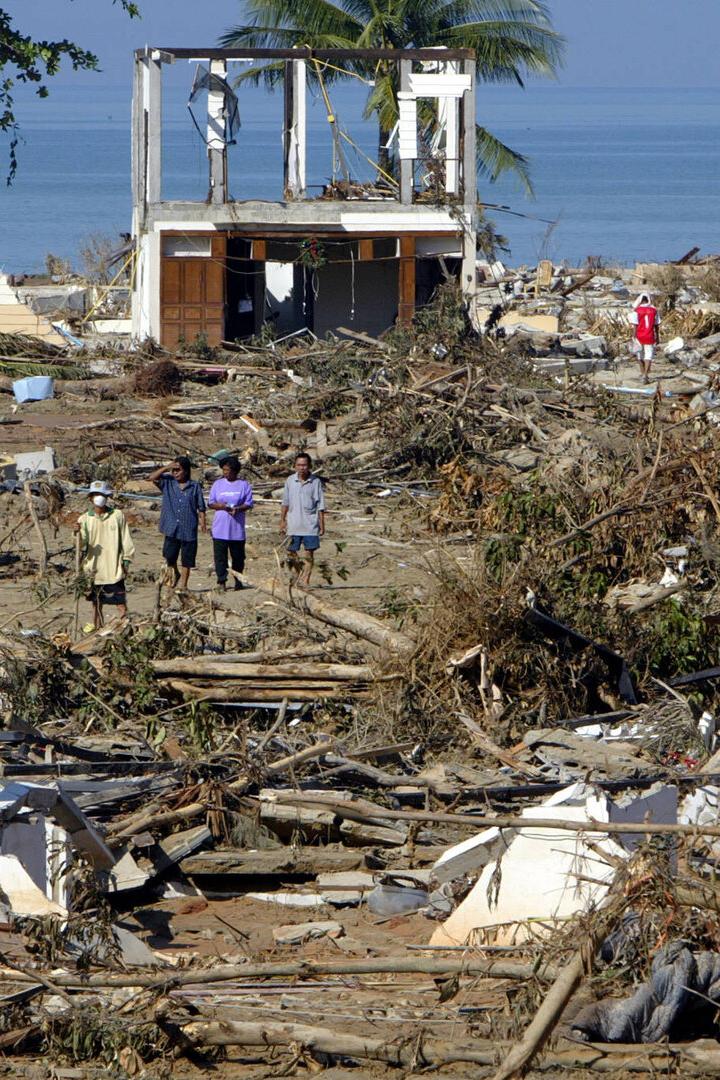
pixel 192 296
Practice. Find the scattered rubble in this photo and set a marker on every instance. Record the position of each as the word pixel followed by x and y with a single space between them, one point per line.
pixel 466 811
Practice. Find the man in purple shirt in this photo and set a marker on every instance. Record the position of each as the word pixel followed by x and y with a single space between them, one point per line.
pixel 230 498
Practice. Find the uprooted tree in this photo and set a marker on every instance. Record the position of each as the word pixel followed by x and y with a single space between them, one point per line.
pixel 25 59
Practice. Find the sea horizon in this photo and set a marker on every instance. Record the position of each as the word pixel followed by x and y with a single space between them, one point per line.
pixel 625 174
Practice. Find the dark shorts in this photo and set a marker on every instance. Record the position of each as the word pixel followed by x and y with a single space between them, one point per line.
pixel 108 594
pixel 186 550
pixel 310 543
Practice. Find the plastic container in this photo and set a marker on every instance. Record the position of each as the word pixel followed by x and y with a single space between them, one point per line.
pixel 34 388
pixel 395 900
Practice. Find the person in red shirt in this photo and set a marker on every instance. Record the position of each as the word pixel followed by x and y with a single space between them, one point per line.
pixel 646 321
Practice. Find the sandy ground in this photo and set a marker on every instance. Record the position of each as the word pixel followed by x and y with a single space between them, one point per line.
pixel 373 546
pixel 380 1006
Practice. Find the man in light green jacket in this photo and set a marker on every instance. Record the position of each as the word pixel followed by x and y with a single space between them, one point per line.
pixel 106 549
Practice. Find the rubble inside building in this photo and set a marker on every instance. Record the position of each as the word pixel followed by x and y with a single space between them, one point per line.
pixel 453 808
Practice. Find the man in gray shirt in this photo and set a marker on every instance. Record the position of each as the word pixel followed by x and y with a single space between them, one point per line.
pixel 302 517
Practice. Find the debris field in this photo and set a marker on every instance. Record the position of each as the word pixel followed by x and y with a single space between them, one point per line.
pixel 452 808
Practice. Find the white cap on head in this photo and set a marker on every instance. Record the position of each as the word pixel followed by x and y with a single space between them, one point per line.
pixel 99 487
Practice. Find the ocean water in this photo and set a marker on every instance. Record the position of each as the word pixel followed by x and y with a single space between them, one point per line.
pixel 620 173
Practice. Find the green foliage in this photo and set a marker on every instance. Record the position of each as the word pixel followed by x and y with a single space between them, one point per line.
pixel 529 511
pixel 394 604
pixel 489 241
pixel 499 553
pixel 676 640
pixel 200 722
pixel 91 1034
pixel 24 59
pixel 199 347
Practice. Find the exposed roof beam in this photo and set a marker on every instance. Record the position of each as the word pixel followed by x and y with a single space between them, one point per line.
pixel 307 54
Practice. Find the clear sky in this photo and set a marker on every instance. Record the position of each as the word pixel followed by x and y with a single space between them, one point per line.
pixel 610 42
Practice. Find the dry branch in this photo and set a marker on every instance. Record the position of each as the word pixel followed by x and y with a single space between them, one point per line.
pixel 147 820
pixel 361 810
pixel 554 1002
pixel 269 691
pixel 306 969
pixel 42 561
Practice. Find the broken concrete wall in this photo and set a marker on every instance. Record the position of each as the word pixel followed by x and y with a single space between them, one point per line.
pixel 45 852
pixel 555 861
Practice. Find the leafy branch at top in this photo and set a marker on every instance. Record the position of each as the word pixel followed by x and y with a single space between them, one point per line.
pixel 24 59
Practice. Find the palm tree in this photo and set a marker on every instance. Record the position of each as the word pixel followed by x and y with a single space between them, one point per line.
pixel 511 38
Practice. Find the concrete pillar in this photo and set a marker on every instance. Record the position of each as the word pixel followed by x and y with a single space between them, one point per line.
pixel 407 164
pixel 137 145
pixel 449 118
pixel 146 293
pixel 469 183
pixel 217 148
pixel 295 130
pixel 152 107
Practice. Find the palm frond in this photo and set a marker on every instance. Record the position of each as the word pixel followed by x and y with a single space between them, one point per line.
pixel 495 158
pixel 457 11
pixel 20 369
pixel 511 38
pixel 313 17
pixel 382 101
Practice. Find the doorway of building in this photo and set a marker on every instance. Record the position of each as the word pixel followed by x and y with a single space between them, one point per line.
pixel 245 290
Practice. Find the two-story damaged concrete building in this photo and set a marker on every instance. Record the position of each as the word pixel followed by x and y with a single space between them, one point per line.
pixel 358 255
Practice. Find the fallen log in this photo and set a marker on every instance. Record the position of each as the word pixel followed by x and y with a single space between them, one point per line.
pixel 305 969
pixel 355 622
pixel 281 672
pixel 300 653
pixel 274 685
pixel 403 1051
pixel 119 384
pixel 281 862
pixel 547 1017
pixel 701 1058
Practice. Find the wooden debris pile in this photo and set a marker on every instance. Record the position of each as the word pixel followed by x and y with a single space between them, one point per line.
pixel 321 789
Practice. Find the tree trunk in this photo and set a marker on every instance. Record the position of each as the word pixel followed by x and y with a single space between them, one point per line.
pixel 688 1059
pixel 287 672
pixel 384 159
pixel 355 622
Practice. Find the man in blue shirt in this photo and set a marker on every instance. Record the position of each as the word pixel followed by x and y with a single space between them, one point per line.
pixel 183 508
